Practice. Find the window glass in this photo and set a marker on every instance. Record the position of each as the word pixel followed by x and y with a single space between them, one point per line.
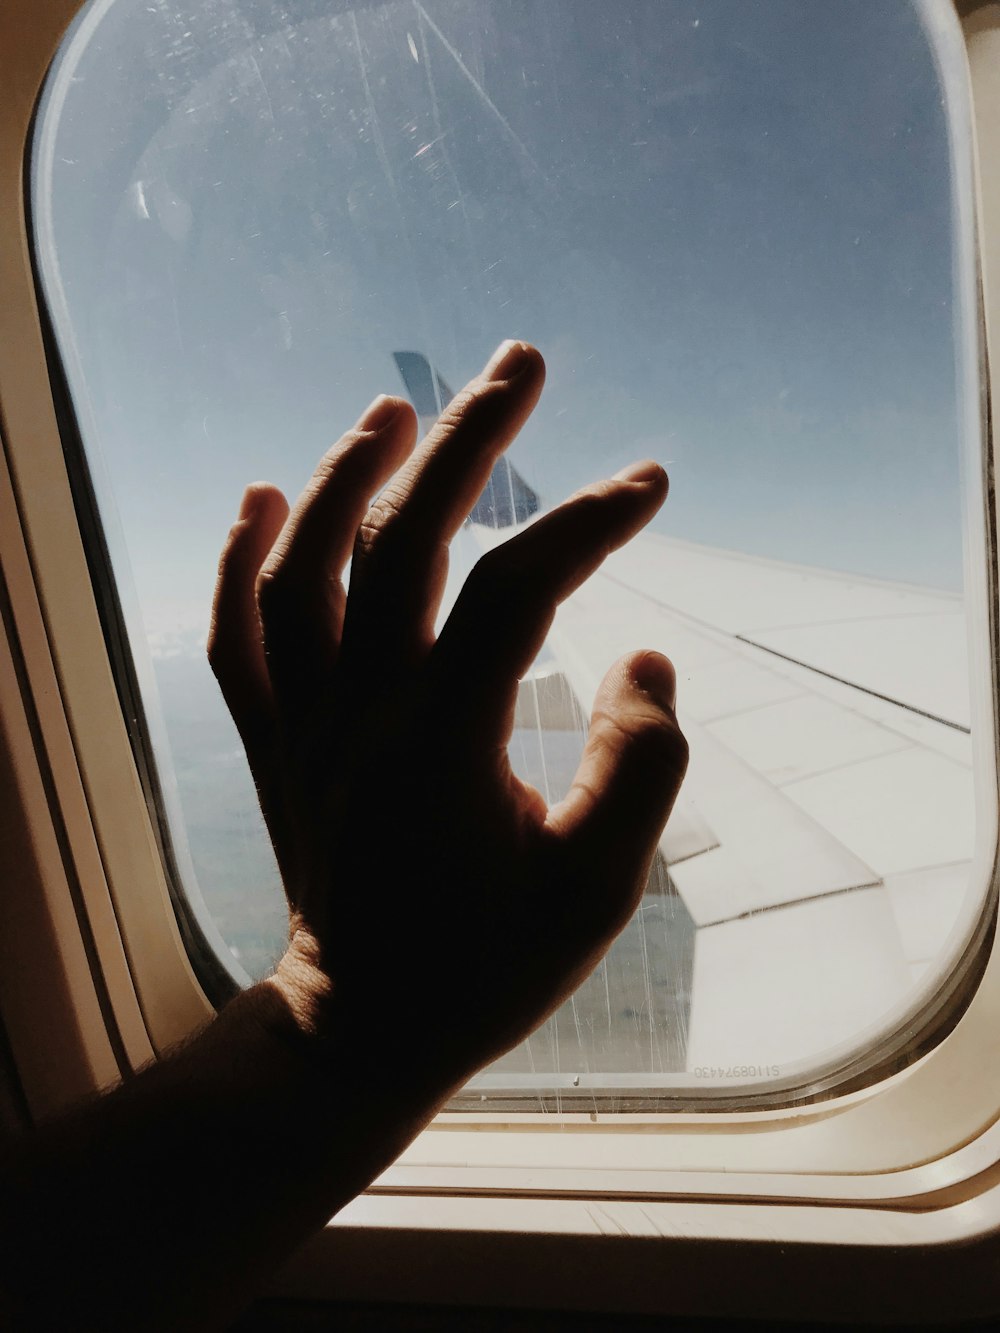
pixel 740 235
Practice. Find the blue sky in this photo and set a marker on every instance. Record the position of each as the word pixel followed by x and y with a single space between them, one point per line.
pixel 726 225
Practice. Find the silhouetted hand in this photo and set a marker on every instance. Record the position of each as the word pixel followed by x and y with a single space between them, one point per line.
pixel 439 910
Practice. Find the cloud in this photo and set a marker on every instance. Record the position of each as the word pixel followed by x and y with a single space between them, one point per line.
pixel 173 636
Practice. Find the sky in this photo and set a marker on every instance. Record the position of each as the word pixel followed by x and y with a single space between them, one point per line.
pixel 728 227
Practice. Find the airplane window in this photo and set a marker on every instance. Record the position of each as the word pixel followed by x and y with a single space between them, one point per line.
pixel 740 234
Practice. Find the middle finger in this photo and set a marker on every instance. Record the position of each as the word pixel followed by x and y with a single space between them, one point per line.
pixel 400 558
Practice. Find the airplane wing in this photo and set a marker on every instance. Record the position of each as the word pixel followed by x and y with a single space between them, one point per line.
pixel 825 832
pixel 823 840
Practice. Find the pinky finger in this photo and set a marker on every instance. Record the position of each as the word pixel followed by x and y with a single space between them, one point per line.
pixel 235 643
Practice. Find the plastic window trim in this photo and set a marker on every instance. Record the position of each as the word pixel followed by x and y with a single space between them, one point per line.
pixel 921 1149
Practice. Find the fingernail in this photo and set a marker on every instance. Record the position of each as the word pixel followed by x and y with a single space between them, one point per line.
pixel 249 503
pixel 647 471
pixel 508 360
pixel 378 415
pixel 654 675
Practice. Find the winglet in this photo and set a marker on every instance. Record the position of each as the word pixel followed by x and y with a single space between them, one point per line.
pixel 426 389
pixel 507 498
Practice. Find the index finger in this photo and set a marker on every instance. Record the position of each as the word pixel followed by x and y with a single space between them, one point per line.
pixel 506 608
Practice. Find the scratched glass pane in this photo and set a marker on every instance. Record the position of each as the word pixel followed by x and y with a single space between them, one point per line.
pixel 740 234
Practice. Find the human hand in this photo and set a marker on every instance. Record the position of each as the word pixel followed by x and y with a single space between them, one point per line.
pixel 439 911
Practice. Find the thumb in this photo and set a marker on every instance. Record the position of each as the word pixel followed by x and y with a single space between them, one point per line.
pixel 629 775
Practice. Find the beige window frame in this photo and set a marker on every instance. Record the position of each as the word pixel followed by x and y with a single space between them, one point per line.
pixel 769 1213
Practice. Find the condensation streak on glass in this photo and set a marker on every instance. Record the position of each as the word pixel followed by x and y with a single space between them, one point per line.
pixel 740 236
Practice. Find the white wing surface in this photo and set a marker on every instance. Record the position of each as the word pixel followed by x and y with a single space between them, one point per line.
pixel 823 839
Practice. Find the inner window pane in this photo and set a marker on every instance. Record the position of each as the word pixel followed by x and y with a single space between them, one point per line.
pixel 740 235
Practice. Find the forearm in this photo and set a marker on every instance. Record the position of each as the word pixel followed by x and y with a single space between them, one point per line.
pixel 164 1204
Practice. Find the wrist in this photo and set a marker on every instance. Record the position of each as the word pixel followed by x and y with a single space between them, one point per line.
pixel 316 1038
pixel 304 991
pixel 345 1110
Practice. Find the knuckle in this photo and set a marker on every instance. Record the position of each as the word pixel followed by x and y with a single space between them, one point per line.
pixel 344 464
pixel 213 649
pixel 490 401
pixel 679 747
pixel 383 522
pixel 453 413
pixel 238 545
pixel 476 405
pixel 593 498
pixel 662 740
pixel 224 664
pixel 651 737
pixel 271 589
